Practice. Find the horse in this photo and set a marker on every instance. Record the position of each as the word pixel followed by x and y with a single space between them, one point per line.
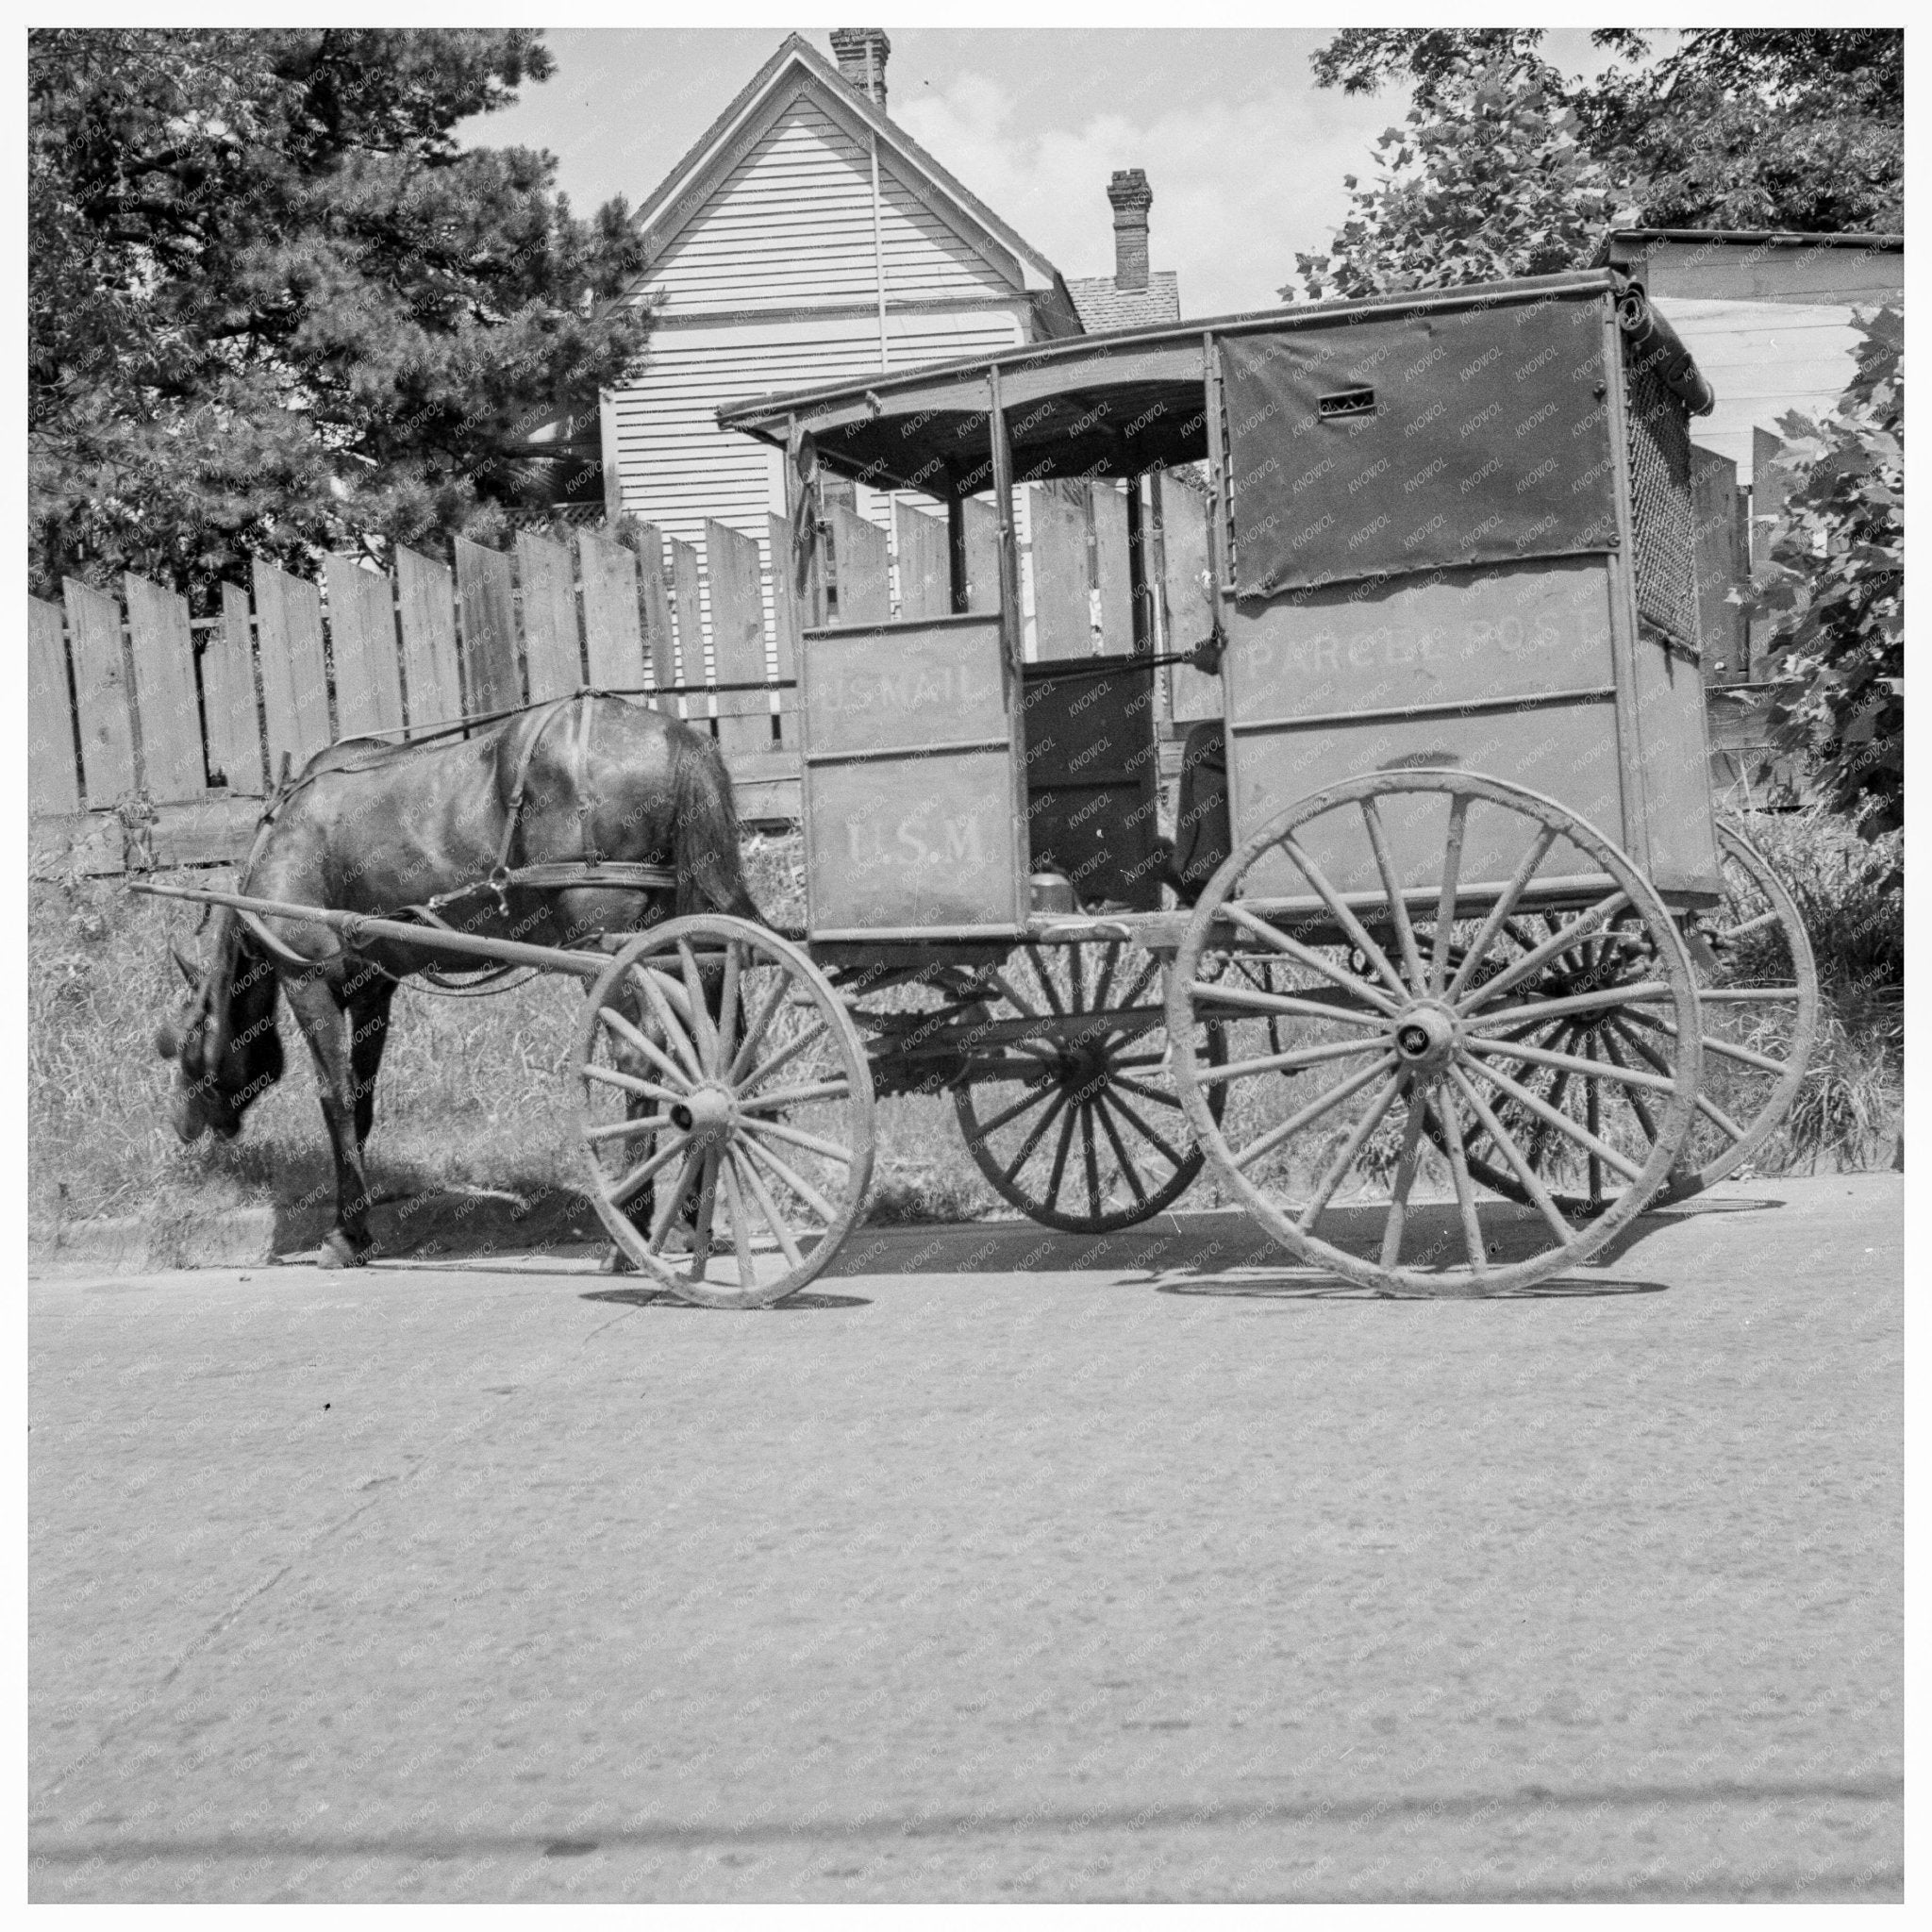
pixel 448 828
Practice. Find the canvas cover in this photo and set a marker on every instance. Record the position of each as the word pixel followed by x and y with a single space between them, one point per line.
pixel 1382 445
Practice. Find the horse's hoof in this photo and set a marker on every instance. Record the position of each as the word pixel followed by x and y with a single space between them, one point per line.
pixel 337 1251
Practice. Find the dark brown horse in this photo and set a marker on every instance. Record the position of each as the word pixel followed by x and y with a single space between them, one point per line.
pixel 377 829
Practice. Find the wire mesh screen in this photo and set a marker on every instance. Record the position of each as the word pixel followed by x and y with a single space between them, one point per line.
pixel 1660 502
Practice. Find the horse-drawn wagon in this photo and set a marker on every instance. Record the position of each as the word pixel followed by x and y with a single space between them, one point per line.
pixel 1479 974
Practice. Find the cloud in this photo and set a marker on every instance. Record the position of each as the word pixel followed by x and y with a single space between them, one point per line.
pixel 1238 186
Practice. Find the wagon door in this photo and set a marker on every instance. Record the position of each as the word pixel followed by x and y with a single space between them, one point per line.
pixel 911 825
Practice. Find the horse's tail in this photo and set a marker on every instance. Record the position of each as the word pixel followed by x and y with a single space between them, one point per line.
pixel 704 830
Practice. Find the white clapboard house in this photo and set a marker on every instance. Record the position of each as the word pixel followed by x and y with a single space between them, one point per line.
pixel 805 238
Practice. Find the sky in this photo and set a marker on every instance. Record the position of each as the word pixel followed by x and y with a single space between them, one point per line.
pixel 1245 154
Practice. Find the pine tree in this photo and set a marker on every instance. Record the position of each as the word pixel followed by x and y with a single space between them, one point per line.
pixel 274 307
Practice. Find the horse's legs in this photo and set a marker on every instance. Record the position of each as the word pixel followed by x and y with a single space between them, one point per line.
pixel 325 1027
pixel 369 1003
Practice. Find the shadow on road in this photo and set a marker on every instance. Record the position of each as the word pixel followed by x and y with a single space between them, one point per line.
pixel 663 1298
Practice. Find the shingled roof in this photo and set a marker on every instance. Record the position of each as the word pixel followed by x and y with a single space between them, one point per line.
pixel 1103 305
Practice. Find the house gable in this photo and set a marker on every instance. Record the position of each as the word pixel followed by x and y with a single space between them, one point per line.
pixel 789 224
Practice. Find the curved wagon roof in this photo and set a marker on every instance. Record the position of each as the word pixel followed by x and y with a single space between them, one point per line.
pixel 1113 405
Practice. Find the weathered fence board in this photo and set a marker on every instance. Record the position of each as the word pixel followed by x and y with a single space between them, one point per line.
pixel 362 639
pixel 1110 565
pixel 688 595
pixel 610 613
pixel 785 612
pixel 550 618
pixel 661 642
pixel 52 782
pixel 1721 565
pixel 861 559
pixel 434 687
pixel 100 692
pixel 926 577
pixel 1062 608
pixel 489 628
pixel 982 555
pixel 228 695
pixel 737 638
pixel 294 680
pixel 161 649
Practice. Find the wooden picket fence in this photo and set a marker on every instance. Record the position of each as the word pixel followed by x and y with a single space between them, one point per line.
pixel 155 736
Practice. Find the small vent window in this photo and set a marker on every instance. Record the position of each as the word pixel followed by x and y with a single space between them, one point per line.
pixel 1342 402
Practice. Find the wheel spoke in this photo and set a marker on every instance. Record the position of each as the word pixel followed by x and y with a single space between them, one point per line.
pixel 1059 1157
pixel 1398 909
pixel 1746 1055
pixel 1405 1166
pixel 623 1131
pixel 1638 992
pixel 815 1143
pixel 1120 1152
pixel 668 1204
pixel 1745 996
pixel 708 1206
pixel 1139 985
pixel 792 1179
pixel 1253 1000
pixel 1593 1119
pixel 1091 1158
pixel 727 1007
pixel 1465 1194
pixel 1338 1167
pixel 1145 1091
pixel 1560 1120
pixel 1590 1067
pixel 647 980
pixel 629 1083
pixel 1532 1184
pixel 1345 915
pixel 1036 1096
pixel 1306 956
pixel 1291 1062
pixel 1342 1091
pixel 1050 1113
pixel 784 1056
pixel 1445 903
pixel 1634 1099
pixel 741 1222
pixel 748 1047
pixel 703 1032
pixel 1500 911
pixel 1534 961
pixel 1109 961
pixel 641 1042
pixel 618 1192
pixel 1174 1159
pixel 840 1089
pixel 1732 934
pixel 1048 990
pixel 1012 999
pixel 748 1176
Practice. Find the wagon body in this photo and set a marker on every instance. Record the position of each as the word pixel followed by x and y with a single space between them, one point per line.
pixel 1452 530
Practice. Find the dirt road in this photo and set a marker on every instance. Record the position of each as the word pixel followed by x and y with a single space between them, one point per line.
pixel 1009 1566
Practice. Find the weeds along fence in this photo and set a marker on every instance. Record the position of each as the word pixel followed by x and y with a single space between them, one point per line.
pixel 154 736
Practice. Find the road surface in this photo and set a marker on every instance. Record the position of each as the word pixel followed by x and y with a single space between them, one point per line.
pixel 1011 1566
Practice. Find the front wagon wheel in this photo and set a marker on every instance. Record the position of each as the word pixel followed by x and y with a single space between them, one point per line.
pixel 726 1111
pixel 1379 953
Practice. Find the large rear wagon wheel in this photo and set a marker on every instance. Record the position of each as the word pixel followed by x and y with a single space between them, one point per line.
pixel 1758 1005
pixel 1073 1116
pixel 726 1111
pixel 1388 1027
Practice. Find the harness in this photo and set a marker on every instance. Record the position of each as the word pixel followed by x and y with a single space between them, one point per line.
pixel 590 869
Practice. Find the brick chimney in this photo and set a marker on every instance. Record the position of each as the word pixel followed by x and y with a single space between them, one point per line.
pixel 861 53
pixel 1131 197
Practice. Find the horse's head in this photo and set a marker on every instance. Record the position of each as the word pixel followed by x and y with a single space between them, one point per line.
pixel 224 1042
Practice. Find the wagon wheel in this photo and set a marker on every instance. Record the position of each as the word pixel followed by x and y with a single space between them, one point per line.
pixel 1078 1126
pixel 1399 1010
pixel 727 1111
pixel 1757 1005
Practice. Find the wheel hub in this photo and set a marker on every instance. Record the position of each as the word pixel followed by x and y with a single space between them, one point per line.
pixel 1425 1037
pixel 703 1112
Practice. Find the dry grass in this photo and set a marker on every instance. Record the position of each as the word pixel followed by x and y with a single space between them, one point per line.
pixel 474 1092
